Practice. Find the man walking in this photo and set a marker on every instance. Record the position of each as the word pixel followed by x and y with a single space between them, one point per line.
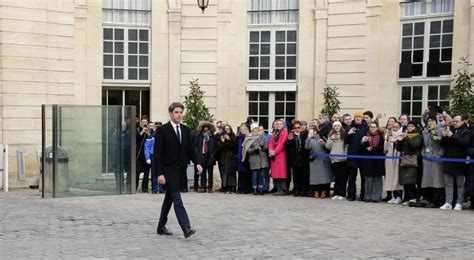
pixel 173 150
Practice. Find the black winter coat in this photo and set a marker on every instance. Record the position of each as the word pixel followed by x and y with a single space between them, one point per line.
pixel 353 142
pixel 212 148
pixel 456 146
pixel 296 154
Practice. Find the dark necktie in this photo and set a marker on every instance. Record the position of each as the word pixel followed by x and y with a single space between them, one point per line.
pixel 178 133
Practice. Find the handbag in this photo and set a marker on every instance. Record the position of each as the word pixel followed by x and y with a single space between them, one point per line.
pixel 409 160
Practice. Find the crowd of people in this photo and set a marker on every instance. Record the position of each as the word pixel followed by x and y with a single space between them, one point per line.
pixel 405 158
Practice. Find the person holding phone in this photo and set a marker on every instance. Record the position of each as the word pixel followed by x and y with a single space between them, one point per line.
pixel 320 174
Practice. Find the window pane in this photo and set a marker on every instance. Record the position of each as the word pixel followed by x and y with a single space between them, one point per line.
pixel 291 48
pixel 253 49
pixel 118 60
pixel 265 74
pixel 448 26
pixel 406 43
pixel 265 61
pixel 447 40
pixel 280 74
pixel 119 34
pixel 432 103
pixel 443 92
pixel 107 60
pixel 263 108
pixel 132 34
pixel 253 62
pixel 107 73
pixel 406 107
pixel 254 36
pixel 406 56
pixel 264 49
pixel 418 56
pixel 108 47
pixel 417 93
pixel 253 74
pixel 435 41
pixel 132 60
pixel 143 48
pixel 418 42
pixel 444 105
pixel 290 73
pixel 280 36
pixel 118 73
pixel 264 121
pixel 118 47
pixel 446 54
pixel 290 109
pixel 407 29
pixel 280 108
pixel 280 96
pixel 416 108
pixel 432 92
pixel 435 27
pixel 144 35
pixel 143 74
pixel 132 74
pixel 132 48
pixel 434 55
pixel 291 61
pixel 291 36
pixel 280 61
pixel 253 108
pixel 253 96
pixel 108 34
pixel 290 96
pixel 417 69
pixel 143 61
pixel 280 48
pixel 406 93
pixel 265 36
pixel 419 28
pixel 264 96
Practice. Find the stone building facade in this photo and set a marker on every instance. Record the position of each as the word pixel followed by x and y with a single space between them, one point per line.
pixel 262 58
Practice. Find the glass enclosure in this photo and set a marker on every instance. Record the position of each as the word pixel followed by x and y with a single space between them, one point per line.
pixel 74 140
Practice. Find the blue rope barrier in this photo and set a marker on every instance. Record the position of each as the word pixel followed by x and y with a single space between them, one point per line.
pixel 380 157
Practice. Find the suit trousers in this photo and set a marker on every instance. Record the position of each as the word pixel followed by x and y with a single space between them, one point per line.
pixel 174 198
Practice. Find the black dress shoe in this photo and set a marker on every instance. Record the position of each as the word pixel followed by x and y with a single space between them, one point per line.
pixel 163 231
pixel 189 232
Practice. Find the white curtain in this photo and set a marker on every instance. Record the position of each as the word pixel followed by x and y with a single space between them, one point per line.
pixel 414 9
pixel 263 17
pixel 127 12
pixel 442 6
pixel 278 15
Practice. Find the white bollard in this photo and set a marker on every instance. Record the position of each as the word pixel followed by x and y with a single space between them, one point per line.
pixel 5 167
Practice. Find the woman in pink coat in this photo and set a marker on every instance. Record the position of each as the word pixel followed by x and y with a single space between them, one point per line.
pixel 276 152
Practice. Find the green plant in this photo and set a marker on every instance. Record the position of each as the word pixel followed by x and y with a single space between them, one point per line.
pixel 196 110
pixel 462 93
pixel 331 101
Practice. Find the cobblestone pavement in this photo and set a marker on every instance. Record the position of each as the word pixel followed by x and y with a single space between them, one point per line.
pixel 228 225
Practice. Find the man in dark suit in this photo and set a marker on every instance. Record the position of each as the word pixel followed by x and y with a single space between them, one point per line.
pixel 173 149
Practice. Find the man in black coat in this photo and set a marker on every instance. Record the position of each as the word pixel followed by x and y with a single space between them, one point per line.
pixel 173 149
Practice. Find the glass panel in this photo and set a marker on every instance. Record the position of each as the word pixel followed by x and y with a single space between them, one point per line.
pixel 253 49
pixel 115 97
pixel 119 34
pixel 265 74
pixel 291 61
pixel 419 28
pixel 448 26
pixel 107 73
pixel 143 74
pixel 132 35
pixel 443 92
pixel 406 107
pixel 418 56
pixel 108 60
pixel 432 103
pixel 132 60
pixel 435 41
pixel 446 54
pixel 447 40
pixel 280 48
pixel 264 121
pixel 418 42
pixel 290 96
pixel 432 92
pixel 108 47
pixel 435 27
pixel 291 36
pixel 253 108
pixel 280 36
pixel 144 35
pixel 280 96
pixel 290 109
pixel 132 47
pixel 143 48
pixel 407 29
pixel 280 61
pixel 143 61
pixel 417 69
pixel 290 73
pixel 406 56
pixel 108 34
pixel 291 48
pixel 416 108
pixel 444 105
pixel 434 55
pixel 280 74
pixel 264 49
pixel 263 108
pixel 253 62
pixel 145 109
pixel 253 74
pixel 265 36
pixel 118 60
pixel 132 74
pixel 254 36
pixel 253 96
pixel 406 93
pixel 417 92
pixel 280 108
pixel 118 73
pixel 118 47
pixel 264 96
pixel 96 141
pixel 406 43
pixel 265 61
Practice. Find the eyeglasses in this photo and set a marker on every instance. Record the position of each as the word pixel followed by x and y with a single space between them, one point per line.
pixel 296 127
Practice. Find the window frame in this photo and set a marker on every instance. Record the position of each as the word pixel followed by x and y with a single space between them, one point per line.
pixel 424 94
pixel 271 106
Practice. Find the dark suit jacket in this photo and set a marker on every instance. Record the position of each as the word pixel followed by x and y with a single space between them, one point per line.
pixel 172 157
pixel 212 146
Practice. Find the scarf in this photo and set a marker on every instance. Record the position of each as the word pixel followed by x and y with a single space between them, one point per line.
pixel 413 135
pixel 434 133
pixel 249 140
pixel 276 135
pixel 374 138
pixel 395 135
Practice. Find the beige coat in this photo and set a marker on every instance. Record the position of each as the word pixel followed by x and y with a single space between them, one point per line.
pixel 390 182
pixel 336 147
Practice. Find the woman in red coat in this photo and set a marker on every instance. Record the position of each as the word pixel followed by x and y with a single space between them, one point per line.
pixel 276 151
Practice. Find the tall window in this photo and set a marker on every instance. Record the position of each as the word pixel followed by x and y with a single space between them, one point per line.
pixel 414 98
pixel 126 40
pixel 265 107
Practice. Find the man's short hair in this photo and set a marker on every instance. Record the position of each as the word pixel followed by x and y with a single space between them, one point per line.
pixel 404 114
pixel 325 116
pixel 174 105
pixel 368 113
pixel 144 117
pixel 464 117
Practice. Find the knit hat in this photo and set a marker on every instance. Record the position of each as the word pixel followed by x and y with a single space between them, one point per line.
pixel 336 123
pixel 358 114
pixel 252 126
pixel 414 123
